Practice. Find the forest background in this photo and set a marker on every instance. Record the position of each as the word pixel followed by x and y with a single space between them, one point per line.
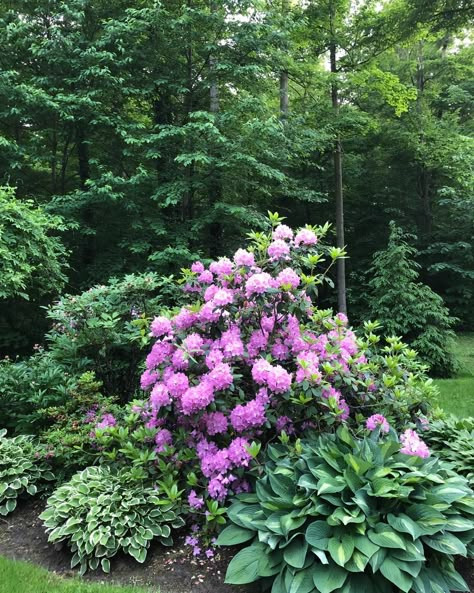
pixel 151 134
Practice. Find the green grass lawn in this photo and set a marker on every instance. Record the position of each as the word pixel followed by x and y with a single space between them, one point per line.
pixel 457 394
pixel 21 577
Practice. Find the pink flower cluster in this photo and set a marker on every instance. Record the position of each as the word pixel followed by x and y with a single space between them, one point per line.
pixel 224 371
pixel 413 445
pixel 377 420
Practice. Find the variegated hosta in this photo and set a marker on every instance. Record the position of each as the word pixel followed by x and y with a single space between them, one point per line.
pixel 351 515
pixel 22 470
pixel 100 512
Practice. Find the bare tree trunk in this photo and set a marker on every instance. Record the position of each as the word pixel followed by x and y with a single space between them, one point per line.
pixel 338 187
pixel 284 98
pixel 215 183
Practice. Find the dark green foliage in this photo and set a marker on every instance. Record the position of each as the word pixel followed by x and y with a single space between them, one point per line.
pixel 408 308
pixel 28 387
pixel 100 512
pixel 453 441
pixel 105 328
pixel 340 514
pixel 23 470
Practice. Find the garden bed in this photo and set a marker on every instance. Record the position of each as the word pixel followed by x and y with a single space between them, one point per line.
pixel 22 537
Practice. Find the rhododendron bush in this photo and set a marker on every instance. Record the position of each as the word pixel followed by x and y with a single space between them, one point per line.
pixel 253 356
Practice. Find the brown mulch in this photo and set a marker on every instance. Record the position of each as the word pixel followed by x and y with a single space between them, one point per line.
pixel 22 537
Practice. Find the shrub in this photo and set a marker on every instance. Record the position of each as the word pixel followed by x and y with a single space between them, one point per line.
pixel 105 328
pixel 408 308
pixel 453 441
pixel 343 514
pixel 101 512
pixel 71 437
pixel 28 387
pixel 22 470
pixel 253 356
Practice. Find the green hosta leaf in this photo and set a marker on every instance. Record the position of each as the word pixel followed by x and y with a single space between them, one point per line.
pixel 105 564
pixel 364 545
pixel 10 504
pixel 138 553
pixel 449 492
pixel 318 534
pixel 428 519
pixel 243 567
pixel 357 563
pixel 283 486
pixel 330 486
pixel 341 549
pixel 393 574
pixel 404 524
pixel 302 581
pixel 328 578
pixel 289 523
pixel 295 553
pixel 386 537
pixel 446 543
pixel 233 535
pixel 459 524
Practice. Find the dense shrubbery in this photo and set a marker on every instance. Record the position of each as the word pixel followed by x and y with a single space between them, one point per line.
pixel 22 470
pixel 345 514
pixel 408 308
pixel 105 328
pixel 101 512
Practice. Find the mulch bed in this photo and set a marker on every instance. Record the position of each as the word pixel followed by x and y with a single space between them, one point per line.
pixel 22 537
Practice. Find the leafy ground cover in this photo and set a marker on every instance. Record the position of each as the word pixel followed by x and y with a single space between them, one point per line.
pixel 21 577
pixel 457 394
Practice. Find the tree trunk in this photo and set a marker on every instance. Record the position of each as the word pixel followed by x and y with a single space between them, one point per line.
pixel 215 183
pixel 88 253
pixel 284 99
pixel 338 188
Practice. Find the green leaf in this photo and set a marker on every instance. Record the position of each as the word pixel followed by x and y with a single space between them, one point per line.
pixel 341 549
pixel 318 534
pixel 243 567
pixel 386 537
pixel 404 524
pixel 302 581
pixel 446 543
pixel 393 574
pixel 295 553
pixel 105 563
pixel 329 577
pixel 233 535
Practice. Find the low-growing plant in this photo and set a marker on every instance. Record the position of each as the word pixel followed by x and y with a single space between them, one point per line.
pixel 23 470
pixel 27 387
pixel 101 512
pixel 340 514
pixel 453 440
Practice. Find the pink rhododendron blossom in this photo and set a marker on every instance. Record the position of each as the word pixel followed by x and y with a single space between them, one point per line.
pixel 377 420
pixel 288 278
pixel 206 277
pixel 413 445
pixel 177 383
pixel 278 249
pixel 243 257
pixel 249 415
pixel 197 398
pixel 222 267
pixel 194 502
pixel 197 267
pixel 108 420
pixel 148 379
pixel 223 297
pixel 258 283
pixel 282 232
pixel 216 423
pixel 160 326
pixel 163 439
pixel 305 237
pixel 160 396
pixel 278 379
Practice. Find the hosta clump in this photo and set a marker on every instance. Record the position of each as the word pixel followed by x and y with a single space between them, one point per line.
pixel 453 441
pixel 100 512
pixel 22 470
pixel 351 515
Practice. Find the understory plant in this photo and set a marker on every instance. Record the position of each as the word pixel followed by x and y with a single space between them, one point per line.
pixel 23 470
pixel 343 514
pixel 453 440
pixel 100 512
pixel 253 356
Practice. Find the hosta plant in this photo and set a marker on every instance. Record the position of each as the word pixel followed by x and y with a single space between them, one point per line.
pixel 100 512
pixel 22 470
pixel 453 441
pixel 350 515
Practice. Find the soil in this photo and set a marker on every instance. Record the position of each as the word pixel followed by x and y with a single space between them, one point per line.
pixel 22 537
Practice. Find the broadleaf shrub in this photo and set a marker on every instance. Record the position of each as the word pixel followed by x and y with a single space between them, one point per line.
pixel 105 328
pixel 342 514
pixel 23 470
pixel 100 512
pixel 253 356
